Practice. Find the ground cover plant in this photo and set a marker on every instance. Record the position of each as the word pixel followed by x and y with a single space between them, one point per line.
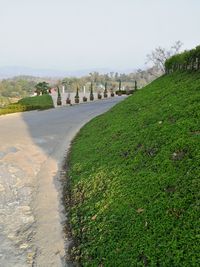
pixel 134 179
pixel 28 103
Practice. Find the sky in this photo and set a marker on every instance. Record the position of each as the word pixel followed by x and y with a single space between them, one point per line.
pixel 86 34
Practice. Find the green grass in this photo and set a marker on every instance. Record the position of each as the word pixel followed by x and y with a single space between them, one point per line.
pixel 42 102
pixel 134 179
pixel 29 103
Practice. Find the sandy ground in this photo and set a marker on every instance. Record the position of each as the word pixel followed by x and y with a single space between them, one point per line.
pixel 32 148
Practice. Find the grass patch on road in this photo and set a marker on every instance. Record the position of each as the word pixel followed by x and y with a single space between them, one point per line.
pixel 28 103
pixel 134 179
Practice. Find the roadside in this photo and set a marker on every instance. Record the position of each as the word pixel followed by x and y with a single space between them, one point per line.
pixel 29 103
pixel 134 179
pixel 32 148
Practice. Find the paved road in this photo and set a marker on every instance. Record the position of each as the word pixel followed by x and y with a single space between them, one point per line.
pixel 32 147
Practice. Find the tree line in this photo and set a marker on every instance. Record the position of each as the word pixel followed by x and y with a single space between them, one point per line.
pixel 23 86
pixel 187 60
pixel 17 87
pixel 162 60
pixel 112 79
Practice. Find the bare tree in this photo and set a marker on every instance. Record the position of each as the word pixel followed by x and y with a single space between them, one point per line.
pixel 159 55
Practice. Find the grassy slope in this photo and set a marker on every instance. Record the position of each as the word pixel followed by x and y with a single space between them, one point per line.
pixel 42 102
pixel 29 103
pixel 135 179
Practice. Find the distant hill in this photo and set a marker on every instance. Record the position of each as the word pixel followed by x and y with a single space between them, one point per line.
pixel 12 71
pixel 21 81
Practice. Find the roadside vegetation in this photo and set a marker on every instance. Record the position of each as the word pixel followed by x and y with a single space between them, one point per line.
pixel 17 87
pixel 4 101
pixel 134 179
pixel 24 86
pixel 29 103
pixel 187 60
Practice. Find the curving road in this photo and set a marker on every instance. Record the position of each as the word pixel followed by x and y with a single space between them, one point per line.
pixel 32 147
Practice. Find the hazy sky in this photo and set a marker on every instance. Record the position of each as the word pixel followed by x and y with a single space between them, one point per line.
pixel 86 34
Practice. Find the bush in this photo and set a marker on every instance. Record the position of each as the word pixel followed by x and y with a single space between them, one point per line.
pixel 99 96
pixel 91 92
pixel 29 103
pixel 188 60
pixel 84 99
pixel 123 92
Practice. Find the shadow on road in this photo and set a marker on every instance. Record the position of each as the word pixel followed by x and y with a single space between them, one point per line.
pixel 52 132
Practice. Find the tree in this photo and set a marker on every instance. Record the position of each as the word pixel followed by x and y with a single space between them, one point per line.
pixel 105 90
pixel 112 75
pixel 59 100
pixel 159 55
pixel 94 76
pixel 91 92
pixel 120 85
pixel 77 95
pixel 17 87
pixel 42 87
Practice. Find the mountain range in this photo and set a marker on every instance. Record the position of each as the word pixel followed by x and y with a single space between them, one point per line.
pixel 12 71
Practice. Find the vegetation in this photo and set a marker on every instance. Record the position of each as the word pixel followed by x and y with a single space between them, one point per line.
pixel 112 93
pixel 23 86
pixel 134 179
pixel 105 93
pixel 77 95
pixel 59 99
pixel 42 102
pixel 28 103
pixel 188 60
pixel 42 88
pixel 110 80
pixel 4 101
pixel 84 99
pixel 99 96
pixel 135 85
pixel 159 55
pixel 91 92
pixel 17 87
pixel 129 92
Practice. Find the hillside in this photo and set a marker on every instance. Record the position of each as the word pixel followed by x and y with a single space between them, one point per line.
pixel 41 102
pixel 21 86
pixel 134 175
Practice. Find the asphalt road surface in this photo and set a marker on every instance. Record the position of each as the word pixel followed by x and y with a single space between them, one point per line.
pixel 32 148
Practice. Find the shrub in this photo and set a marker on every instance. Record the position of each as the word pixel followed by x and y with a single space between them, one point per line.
pixel 123 92
pixel 187 60
pixel 77 95
pixel 105 93
pixel 84 99
pixel 59 100
pixel 29 103
pixel 91 92
pixel 99 96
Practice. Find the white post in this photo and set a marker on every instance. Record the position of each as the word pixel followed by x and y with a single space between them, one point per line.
pixel 84 90
pixel 63 89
